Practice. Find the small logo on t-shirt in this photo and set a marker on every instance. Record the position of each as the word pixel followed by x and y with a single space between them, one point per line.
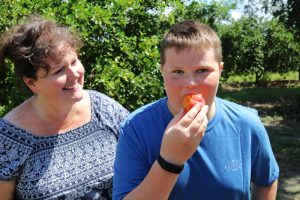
pixel 233 165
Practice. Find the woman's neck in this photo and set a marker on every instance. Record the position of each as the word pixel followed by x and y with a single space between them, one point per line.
pixel 61 118
pixel 44 119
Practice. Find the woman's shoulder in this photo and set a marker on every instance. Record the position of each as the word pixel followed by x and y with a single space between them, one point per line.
pixel 104 107
pixel 12 133
pixel 21 115
pixel 16 146
pixel 101 99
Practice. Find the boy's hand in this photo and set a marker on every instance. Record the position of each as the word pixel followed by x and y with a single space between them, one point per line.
pixel 183 134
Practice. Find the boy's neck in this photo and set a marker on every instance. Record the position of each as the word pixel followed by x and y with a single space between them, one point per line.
pixel 212 110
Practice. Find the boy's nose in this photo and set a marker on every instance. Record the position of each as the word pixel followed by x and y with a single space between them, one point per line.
pixel 191 82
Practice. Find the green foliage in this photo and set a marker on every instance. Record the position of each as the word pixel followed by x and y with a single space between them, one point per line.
pixel 250 78
pixel 121 39
pixel 209 13
pixel 255 46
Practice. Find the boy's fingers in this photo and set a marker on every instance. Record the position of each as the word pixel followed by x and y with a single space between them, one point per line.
pixel 176 118
pixel 190 115
pixel 201 131
pixel 200 122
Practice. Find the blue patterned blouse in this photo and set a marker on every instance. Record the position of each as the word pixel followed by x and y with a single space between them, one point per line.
pixel 75 165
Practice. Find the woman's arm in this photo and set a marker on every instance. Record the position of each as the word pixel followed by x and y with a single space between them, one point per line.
pixel 264 193
pixel 7 190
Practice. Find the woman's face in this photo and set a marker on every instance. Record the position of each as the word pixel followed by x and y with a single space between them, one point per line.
pixel 63 82
pixel 190 71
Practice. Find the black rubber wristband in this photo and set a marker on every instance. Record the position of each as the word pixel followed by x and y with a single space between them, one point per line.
pixel 176 169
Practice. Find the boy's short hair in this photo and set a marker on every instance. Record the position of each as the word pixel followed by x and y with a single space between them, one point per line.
pixel 188 34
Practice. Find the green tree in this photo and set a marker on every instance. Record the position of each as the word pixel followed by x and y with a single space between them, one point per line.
pixel 256 46
pixel 121 42
pixel 285 11
pixel 120 51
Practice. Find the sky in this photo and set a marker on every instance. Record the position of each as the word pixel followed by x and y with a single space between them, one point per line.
pixel 236 14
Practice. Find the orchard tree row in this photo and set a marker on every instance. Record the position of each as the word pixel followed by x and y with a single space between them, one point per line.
pixel 121 42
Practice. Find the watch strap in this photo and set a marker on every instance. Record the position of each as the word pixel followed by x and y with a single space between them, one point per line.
pixel 176 169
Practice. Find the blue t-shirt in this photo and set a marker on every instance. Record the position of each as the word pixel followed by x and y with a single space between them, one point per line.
pixel 234 152
pixel 75 165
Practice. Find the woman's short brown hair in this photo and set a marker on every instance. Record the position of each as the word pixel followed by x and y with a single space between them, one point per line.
pixel 31 45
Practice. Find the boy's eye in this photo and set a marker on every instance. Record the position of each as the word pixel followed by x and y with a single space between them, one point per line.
pixel 177 71
pixel 202 70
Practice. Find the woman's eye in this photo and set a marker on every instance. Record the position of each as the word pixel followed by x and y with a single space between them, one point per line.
pixel 74 62
pixel 58 71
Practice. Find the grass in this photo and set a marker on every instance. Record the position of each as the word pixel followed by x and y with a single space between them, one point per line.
pixel 261 94
pixel 292 75
pixel 271 103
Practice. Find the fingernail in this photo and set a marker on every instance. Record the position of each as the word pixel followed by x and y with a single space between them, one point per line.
pixel 205 108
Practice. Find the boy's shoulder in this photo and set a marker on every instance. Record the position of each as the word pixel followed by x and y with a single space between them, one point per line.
pixel 242 118
pixel 153 109
pixel 236 107
pixel 237 113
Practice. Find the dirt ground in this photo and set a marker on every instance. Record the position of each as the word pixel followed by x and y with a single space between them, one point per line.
pixel 285 140
pixel 281 118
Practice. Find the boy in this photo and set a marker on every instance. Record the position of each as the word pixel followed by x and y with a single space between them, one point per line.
pixel 163 153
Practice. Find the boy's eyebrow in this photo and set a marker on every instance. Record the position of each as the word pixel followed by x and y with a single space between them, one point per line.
pixel 200 66
pixel 194 66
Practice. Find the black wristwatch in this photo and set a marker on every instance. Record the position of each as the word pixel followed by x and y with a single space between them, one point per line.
pixel 176 169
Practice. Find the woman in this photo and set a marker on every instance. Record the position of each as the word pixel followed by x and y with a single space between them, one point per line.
pixel 59 143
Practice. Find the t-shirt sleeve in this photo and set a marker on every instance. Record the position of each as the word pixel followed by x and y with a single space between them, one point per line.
pixel 130 166
pixel 108 111
pixel 265 169
pixel 13 153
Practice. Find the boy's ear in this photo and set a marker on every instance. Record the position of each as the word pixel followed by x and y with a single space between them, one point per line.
pixel 221 66
pixel 30 83
pixel 161 68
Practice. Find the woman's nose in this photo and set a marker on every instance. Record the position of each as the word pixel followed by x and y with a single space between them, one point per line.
pixel 72 71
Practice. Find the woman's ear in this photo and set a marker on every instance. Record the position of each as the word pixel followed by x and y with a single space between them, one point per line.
pixel 31 84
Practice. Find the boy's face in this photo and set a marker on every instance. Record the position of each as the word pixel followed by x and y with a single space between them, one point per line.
pixel 190 71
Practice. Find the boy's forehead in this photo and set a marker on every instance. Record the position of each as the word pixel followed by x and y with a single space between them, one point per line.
pixel 199 49
pixel 188 51
pixel 189 57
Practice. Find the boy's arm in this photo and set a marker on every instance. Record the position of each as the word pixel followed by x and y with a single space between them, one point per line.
pixel 180 141
pixel 158 184
pixel 264 193
pixel 7 190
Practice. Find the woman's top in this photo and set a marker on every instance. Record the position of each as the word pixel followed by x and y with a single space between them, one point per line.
pixel 77 164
